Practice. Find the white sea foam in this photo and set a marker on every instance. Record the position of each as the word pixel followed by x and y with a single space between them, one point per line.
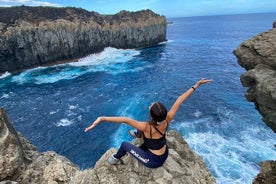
pixel 6 74
pixel 79 117
pixel 5 96
pixel 20 79
pixel 52 112
pixel 224 156
pixel 232 149
pixel 111 60
pixel 231 159
pixel 108 56
pixel 71 113
pixel 168 41
pixel 64 122
pixel 197 113
pixel 71 107
pixel 27 76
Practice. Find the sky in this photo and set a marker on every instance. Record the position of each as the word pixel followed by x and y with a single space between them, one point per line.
pixel 168 8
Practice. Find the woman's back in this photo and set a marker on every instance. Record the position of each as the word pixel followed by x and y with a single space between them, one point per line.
pixel 154 137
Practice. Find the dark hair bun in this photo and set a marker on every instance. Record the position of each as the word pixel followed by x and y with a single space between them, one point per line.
pixel 158 112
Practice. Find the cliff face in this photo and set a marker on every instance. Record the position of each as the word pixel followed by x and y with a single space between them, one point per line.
pixel 267 174
pixel 33 36
pixel 258 57
pixel 22 163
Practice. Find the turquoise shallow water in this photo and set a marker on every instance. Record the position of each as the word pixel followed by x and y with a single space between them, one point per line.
pixel 51 106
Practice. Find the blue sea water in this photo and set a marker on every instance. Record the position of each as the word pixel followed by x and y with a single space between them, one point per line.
pixel 53 105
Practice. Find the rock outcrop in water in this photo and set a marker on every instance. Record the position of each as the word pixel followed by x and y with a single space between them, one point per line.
pixel 34 36
pixel 20 162
pixel 258 57
pixel 267 174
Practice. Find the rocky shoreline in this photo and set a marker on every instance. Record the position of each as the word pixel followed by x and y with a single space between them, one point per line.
pixel 21 163
pixel 258 57
pixel 37 36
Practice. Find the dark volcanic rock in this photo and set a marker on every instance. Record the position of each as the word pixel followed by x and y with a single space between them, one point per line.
pixel 258 57
pixel 267 174
pixel 33 36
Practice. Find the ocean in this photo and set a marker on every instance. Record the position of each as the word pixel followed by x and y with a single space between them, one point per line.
pixel 53 105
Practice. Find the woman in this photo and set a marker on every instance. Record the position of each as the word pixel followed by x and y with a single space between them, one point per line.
pixel 154 151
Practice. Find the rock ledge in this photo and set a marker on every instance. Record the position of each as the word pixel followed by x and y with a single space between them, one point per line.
pixel 21 163
pixel 258 57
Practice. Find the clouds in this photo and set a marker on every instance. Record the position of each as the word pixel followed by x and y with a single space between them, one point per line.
pixel 169 8
pixel 26 2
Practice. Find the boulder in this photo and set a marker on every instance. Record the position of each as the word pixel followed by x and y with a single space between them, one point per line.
pixel 181 166
pixel 258 57
pixel 267 174
pixel 31 166
pixel 11 153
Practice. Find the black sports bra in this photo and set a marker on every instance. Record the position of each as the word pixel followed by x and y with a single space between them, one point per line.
pixel 155 144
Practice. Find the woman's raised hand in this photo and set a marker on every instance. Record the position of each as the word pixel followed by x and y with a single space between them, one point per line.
pixel 202 81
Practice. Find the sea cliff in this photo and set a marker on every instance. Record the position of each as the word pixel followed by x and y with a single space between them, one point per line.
pixel 258 57
pixel 35 36
pixel 21 163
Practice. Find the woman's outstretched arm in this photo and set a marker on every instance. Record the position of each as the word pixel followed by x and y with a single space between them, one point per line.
pixel 136 124
pixel 183 97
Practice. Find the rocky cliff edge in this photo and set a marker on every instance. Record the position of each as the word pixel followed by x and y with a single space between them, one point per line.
pixel 36 36
pixel 20 162
pixel 258 57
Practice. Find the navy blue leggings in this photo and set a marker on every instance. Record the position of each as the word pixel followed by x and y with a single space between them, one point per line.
pixel 144 156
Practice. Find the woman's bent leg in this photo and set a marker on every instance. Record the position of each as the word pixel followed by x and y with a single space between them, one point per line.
pixel 145 157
